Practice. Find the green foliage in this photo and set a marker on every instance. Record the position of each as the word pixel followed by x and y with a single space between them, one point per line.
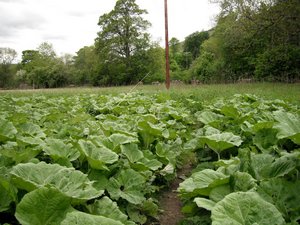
pixel 252 39
pixel 193 42
pixel 74 184
pixel 107 208
pixel 97 156
pixel 86 66
pixel 128 185
pixel 256 172
pixel 77 217
pixel 123 35
pixel 106 156
pixel 43 206
pixel 43 68
pixel 282 59
pixel 245 208
pixel 7 57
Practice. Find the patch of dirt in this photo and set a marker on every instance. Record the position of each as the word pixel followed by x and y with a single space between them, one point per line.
pixel 170 202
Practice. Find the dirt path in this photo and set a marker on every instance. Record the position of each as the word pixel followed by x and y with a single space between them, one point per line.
pixel 170 202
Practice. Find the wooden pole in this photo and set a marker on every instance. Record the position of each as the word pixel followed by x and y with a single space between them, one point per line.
pixel 167 46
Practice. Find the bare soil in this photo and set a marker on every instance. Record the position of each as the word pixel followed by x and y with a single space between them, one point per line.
pixel 170 202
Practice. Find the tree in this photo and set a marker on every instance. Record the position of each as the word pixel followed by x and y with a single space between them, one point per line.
pixel 43 68
pixel 193 43
pixel 7 56
pixel 86 66
pixel 174 44
pixel 46 50
pixel 253 38
pixel 122 34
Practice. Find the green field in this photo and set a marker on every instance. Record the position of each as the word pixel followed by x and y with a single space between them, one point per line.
pixel 287 92
pixel 82 153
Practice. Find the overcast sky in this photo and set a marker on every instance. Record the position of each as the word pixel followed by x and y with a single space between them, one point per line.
pixel 71 24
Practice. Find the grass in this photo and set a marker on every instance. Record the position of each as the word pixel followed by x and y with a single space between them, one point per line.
pixel 205 93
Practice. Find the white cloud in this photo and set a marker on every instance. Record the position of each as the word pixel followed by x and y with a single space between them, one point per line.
pixel 72 24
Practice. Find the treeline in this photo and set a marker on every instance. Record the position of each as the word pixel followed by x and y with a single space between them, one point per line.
pixel 252 40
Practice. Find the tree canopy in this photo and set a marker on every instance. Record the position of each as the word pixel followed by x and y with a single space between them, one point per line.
pixel 123 34
pixel 254 40
pixel 123 30
pixel 7 56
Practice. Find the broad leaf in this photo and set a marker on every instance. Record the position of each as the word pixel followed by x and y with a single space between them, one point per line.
pixel 264 139
pixel 284 165
pixel 81 218
pixel 8 192
pixel 245 208
pixel 208 117
pixel 97 156
pixel 44 206
pixel 68 181
pixel 132 152
pixel 219 192
pixel 149 131
pixel 230 111
pixel 220 142
pixel 32 130
pixel 7 130
pixel 205 203
pixel 121 139
pixel 167 153
pixel 135 214
pixel 261 165
pixel 201 183
pixel 128 184
pixel 288 126
pixel 57 149
pixel 243 181
pixel 283 194
pixel 107 208
pixel 19 153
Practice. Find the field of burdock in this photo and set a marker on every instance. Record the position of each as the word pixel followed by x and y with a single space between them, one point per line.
pixel 208 154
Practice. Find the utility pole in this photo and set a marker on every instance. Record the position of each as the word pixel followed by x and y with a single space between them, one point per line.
pixel 167 46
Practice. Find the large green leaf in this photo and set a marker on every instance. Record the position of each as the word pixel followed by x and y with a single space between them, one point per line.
pixel 68 181
pixel 265 139
pixel 261 165
pixel 8 192
pixel 167 153
pixel 284 165
pixel 7 130
pixel 107 208
pixel 128 184
pixel 57 149
pixel 219 192
pixel 32 130
pixel 230 111
pixel 223 141
pixel 19 153
pixel 98 156
pixel 205 203
pixel 241 208
pixel 81 218
pixel 30 141
pixel 121 139
pixel 284 194
pixel 149 131
pixel 201 183
pixel 288 126
pixel 243 181
pixel 44 206
pixel 209 118
pixel 132 152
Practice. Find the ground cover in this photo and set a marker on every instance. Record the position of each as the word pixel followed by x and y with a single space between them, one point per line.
pixel 81 154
